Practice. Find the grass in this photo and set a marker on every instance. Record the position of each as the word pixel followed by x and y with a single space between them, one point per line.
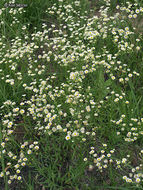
pixel 71 95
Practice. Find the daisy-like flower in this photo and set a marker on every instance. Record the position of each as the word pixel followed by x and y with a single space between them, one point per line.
pixel 22 111
pixel 67 137
pixel 29 152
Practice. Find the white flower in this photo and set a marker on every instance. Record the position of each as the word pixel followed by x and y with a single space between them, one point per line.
pixel 73 75
pixel 67 137
pixel 22 111
pixel 138 180
pixel 88 108
pixel 113 77
pixel 29 152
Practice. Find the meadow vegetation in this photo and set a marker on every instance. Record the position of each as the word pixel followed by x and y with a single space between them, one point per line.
pixel 71 95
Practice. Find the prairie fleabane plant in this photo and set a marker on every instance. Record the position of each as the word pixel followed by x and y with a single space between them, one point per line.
pixel 71 95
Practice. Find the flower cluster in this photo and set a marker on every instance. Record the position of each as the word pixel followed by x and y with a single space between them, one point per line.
pixel 76 82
